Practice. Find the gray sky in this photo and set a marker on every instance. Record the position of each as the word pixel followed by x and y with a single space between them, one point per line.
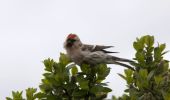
pixel 33 30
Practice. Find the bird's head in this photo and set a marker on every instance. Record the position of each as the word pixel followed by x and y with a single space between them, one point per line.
pixel 72 39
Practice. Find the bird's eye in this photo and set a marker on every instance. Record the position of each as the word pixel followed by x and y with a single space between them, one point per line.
pixel 71 40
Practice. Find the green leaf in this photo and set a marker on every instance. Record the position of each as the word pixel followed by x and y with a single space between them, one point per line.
pixel 128 77
pixel 143 73
pixel 142 78
pixel 150 75
pixel 135 45
pixel 158 79
pixel 139 44
pixel 74 70
pixel 129 80
pixel 53 97
pixel 102 84
pixel 85 68
pixel 166 95
pixel 139 84
pixel 114 98
pixel 140 56
pixel 40 95
pixel 102 72
pixel 128 72
pixel 101 68
pixel 79 93
pixel 30 93
pixel 45 86
pixel 48 63
pixel 164 52
pixel 59 78
pixel 162 47
pixel 83 83
pixel 122 76
pixel 97 89
pixel 126 90
pixel 64 59
pixel 106 89
pixel 17 95
pixel 8 98
pixel 157 54
pixel 149 40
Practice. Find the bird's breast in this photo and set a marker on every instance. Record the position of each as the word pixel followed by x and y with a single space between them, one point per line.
pixel 76 57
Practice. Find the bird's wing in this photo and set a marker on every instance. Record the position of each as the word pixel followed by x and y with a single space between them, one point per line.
pixel 93 48
pixel 94 57
pixel 99 57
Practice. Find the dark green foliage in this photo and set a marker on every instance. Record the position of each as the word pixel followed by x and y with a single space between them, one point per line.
pixel 64 82
pixel 151 78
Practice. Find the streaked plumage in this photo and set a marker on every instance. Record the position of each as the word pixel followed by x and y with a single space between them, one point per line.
pixel 94 48
pixel 90 54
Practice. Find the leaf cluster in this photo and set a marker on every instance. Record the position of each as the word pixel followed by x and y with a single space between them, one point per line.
pixel 65 81
pixel 151 78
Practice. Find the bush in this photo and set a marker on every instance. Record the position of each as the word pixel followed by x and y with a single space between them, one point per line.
pixel 150 79
pixel 63 81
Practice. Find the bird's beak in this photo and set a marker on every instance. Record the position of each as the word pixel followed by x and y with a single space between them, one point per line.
pixel 70 42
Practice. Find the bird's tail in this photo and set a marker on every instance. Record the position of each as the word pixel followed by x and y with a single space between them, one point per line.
pixel 124 65
pixel 117 61
pixel 120 59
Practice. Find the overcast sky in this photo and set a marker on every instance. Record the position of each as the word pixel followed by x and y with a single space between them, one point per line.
pixel 33 30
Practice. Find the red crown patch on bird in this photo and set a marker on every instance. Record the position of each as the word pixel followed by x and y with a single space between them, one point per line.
pixel 71 36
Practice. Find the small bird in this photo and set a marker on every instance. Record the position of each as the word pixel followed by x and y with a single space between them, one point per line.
pixel 81 53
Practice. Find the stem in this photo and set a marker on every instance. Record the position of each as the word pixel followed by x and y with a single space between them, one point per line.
pixel 92 79
pixel 69 97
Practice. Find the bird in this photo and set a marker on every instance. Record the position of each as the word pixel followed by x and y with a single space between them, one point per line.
pixel 81 53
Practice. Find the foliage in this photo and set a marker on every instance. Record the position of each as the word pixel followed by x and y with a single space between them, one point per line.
pixel 30 95
pixel 65 82
pixel 151 78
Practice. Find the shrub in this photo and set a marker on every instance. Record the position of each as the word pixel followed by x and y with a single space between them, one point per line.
pixel 149 79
